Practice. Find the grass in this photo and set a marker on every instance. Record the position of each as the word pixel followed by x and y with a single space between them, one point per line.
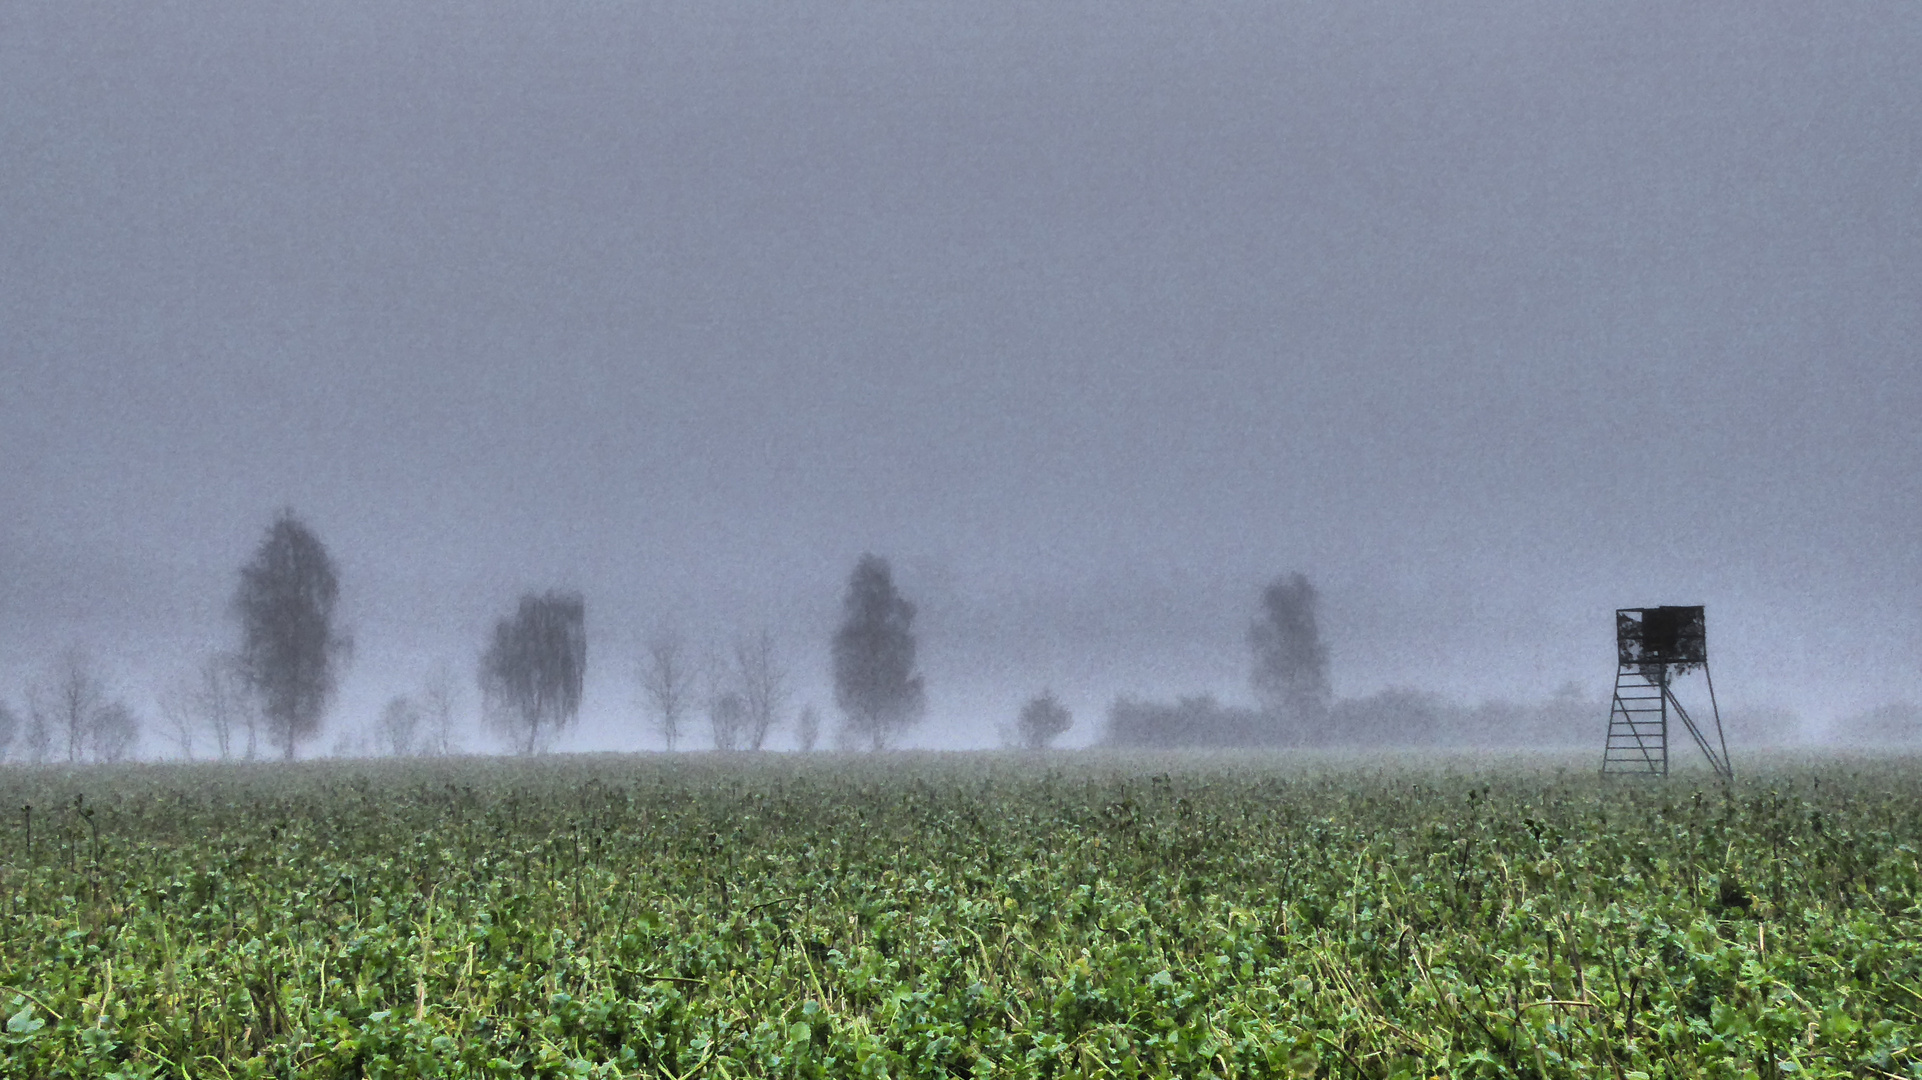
pixel 900 915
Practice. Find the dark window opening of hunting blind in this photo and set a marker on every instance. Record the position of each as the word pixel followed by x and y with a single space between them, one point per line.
pixel 1672 637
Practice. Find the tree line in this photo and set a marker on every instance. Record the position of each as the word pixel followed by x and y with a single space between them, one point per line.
pixel 1296 707
pixel 1288 673
pixel 271 694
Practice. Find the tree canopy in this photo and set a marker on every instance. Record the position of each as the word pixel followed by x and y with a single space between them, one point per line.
pixel 532 671
pixel 290 650
pixel 1042 720
pixel 875 683
pixel 1290 662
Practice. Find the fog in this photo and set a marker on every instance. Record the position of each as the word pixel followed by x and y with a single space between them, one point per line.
pixel 1092 318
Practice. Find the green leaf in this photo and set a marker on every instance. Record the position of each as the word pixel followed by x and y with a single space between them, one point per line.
pixel 24 1022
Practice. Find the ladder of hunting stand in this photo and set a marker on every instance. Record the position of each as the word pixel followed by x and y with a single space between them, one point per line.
pixel 1638 726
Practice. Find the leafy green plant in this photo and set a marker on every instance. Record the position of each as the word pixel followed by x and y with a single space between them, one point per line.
pixel 939 916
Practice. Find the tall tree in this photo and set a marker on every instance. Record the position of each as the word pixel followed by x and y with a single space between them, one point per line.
pixel 1290 662
pixel 875 683
pixel 531 673
pixel 290 651
pixel 668 679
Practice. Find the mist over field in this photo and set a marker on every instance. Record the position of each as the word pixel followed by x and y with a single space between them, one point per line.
pixel 1092 320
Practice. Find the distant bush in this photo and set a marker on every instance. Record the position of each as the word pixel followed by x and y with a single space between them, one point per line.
pixel 1893 724
pixel 1192 722
pixel 1395 717
pixel 1041 721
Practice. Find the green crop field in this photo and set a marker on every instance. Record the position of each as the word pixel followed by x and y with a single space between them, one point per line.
pixel 956 916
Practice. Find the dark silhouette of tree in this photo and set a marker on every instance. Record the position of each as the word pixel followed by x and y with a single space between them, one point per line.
pixel 531 674
pixel 1290 662
pixel 1043 719
pixel 290 650
pixel 874 679
pixel 668 683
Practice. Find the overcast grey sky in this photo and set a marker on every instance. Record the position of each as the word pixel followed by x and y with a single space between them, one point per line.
pixel 1491 317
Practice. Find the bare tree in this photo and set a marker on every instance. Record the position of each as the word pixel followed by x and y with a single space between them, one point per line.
pixel 874 679
pixel 668 680
pixel 179 724
pixel 75 713
pixel 67 705
pixel 398 733
pixel 290 650
pixel 1290 662
pixel 762 685
pixel 1042 720
pixel 225 712
pixel 437 707
pixel 531 674
pixel 807 728
pixel 212 702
